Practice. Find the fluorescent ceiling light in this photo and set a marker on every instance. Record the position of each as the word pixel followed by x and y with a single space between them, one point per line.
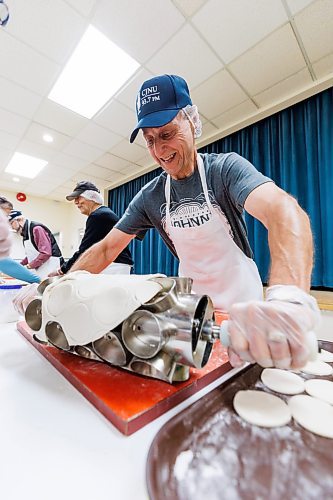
pixel 16 179
pixel 25 165
pixel 93 74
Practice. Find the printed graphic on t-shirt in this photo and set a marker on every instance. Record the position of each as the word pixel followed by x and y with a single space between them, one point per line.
pixel 192 212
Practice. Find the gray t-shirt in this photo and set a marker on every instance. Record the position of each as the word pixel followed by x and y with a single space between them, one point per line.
pixel 230 179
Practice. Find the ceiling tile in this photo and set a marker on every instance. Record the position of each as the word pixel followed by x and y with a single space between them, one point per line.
pixel 53 172
pixel 140 27
pixel 236 114
pixel 216 95
pixel 82 150
pixel 54 30
pixel 127 94
pixel 146 160
pixel 116 176
pixel 131 152
pixel 8 141
pixel 189 7
pixel 12 123
pixel 324 66
pixel 36 131
pixel 297 5
pixel 25 66
pixel 38 150
pixel 232 27
pixel 97 171
pixel 84 7
pixel 97 136
pixel 72 163
pixel 292 85
pixel 18 99
pixel 112 162
pixel 185 44
pixel 117 117
pixel 5 156
pixel 59 118
pixel 271 61
pixel 315 26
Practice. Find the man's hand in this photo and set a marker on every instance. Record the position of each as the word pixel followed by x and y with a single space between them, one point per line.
pixel 26 295
pixel 276 332
pixel 58 272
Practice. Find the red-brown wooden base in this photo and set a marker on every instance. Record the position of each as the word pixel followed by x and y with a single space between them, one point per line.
pixel 127 400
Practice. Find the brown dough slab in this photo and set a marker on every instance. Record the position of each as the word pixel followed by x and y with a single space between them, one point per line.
pixel 207 452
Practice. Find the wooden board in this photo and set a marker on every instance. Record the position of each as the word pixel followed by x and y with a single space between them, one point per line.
pixel 127 400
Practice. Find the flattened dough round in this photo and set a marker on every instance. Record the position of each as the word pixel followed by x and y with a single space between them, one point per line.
pixel 260 408
pixel 313 414
pixel 317 368
pixel 321 389
pixel 326 356
pixel 282 381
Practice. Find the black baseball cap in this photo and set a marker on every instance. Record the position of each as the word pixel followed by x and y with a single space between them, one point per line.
pixel 80 188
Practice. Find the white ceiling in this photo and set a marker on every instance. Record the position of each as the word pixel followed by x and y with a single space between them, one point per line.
pixel 243 59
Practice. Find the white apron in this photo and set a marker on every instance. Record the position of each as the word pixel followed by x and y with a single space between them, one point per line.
pixel 51 265
pixel 209 256
pixel 117 268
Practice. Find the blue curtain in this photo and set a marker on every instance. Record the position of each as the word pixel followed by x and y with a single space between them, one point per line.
pixel 294 148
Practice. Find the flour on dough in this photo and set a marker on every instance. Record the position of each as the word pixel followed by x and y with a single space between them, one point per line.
pixel 317 368
pixel 321 389
pixel 326 356
pixel 260 408
pixel 282 381
pixel 313 414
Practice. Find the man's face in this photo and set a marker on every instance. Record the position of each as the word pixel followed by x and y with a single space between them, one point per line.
pixel 172 146
pixel 16 226
pixel 85 206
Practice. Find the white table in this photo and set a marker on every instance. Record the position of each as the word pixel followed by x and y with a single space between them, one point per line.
pixel 54 444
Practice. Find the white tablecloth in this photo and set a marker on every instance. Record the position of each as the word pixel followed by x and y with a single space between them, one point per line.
pixel 54 444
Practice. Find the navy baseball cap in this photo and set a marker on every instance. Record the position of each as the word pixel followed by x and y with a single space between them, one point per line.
pixel 159 100
pixel 80 188
pixel 14 214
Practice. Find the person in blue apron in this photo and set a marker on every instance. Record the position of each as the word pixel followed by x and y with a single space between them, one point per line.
pixel 101 220
pixel 43 255
pixel 197 206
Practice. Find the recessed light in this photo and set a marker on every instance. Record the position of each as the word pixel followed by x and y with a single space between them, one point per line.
pixel 48 138
pixel 94 73
pixel 25 165
pixel 16 179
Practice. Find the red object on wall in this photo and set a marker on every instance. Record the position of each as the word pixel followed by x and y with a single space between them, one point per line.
pixel 21 197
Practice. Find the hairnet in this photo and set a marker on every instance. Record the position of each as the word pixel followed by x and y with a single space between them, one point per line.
pixel 192 114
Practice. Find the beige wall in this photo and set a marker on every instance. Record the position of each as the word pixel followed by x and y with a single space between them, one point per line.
pixel 62 217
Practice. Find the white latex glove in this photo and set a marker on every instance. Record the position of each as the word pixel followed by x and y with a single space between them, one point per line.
pixel 24 297
pixel 275 332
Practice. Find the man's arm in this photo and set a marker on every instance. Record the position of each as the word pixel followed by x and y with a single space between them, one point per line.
pixel 289 235
pixel 43 244
pixel 103 253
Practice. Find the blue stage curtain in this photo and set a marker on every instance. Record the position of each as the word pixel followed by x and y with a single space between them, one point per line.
pixel 295 148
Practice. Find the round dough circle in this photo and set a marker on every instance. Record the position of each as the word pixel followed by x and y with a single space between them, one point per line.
pixel 260 408
pixel 317 368
pixel 326 356
pixel 321 389
pixel 313 414
pixel 282 381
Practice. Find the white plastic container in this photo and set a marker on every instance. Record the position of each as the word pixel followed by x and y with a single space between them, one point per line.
pixel 7 311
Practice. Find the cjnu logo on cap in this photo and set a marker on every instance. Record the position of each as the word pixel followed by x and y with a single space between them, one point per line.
pixel 150 94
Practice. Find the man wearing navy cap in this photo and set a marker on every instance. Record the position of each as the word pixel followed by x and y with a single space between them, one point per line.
pixel 197 204
pixel 101 220
pixel 42 252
